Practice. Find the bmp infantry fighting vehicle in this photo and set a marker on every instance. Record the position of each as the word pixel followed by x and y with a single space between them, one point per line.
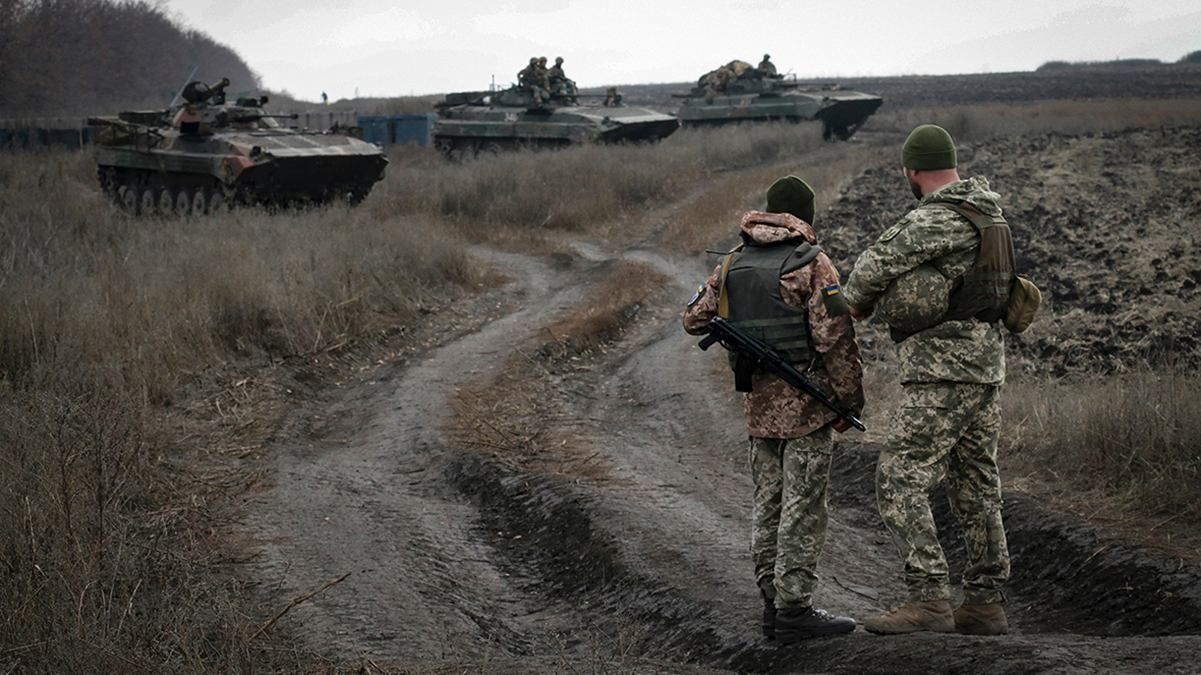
pixel 206 154
pixel 473 122
pixel 740 92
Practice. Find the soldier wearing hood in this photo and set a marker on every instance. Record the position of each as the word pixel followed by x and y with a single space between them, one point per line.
pixel 780 285
pixel 952 369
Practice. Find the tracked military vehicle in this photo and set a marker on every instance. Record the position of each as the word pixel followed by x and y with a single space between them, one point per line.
pixel 206 154
pixel 483 121
pixel 739 92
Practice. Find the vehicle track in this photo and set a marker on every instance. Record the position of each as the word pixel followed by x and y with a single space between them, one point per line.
pixel 455 556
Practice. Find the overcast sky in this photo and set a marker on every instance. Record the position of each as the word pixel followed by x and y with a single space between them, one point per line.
pixel 389 48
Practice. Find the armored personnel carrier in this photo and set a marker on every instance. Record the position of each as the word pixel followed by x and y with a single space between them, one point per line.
pixel 739 92
pixel 205 154
pixel 482 121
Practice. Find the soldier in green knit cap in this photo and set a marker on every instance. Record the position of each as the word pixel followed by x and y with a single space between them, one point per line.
pixel 952 369
pixel 783 288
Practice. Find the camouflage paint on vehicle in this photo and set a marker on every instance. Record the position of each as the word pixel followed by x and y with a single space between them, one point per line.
pixel 205 155
pixel 755 97
pixel 473 122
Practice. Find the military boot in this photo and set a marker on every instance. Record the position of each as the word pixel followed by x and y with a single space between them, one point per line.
pixel 769 618
pixel 767 591
pixel 981 619
pixel 914 617
pixel 799 623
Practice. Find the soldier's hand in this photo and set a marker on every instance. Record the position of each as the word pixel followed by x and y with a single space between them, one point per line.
pixel 840 425
pixel 859 314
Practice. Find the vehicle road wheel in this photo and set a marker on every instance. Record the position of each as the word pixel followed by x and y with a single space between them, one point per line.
pixel 166 201
pixel 217 202
pixel 127 198
pixel 148 200
pixel 200 202
pixel 183 202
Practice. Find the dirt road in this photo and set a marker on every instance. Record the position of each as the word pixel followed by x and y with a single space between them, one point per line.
pixel 458 559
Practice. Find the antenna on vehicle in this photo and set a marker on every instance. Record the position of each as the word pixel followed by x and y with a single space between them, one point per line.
pixel 492 87
pixel 185 84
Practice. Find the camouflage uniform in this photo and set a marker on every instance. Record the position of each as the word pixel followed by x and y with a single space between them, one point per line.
pixel 556 79
pixel 790 440
pixel 948 421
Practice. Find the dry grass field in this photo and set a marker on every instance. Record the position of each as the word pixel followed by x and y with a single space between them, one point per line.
pixel 115 331
pixel 111 326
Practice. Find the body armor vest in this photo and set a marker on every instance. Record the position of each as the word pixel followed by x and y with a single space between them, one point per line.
pixel 750 300
pixel 982 292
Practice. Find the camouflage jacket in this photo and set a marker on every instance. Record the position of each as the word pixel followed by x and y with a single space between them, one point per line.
pixel 953 351
pixel 774 409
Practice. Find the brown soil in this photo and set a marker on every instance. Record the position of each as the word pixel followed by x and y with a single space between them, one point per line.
pixel 459 559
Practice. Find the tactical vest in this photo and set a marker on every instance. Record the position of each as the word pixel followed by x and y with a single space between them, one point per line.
pixel 750 299
pixel 982 292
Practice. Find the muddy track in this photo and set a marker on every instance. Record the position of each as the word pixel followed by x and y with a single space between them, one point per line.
pixel 457 558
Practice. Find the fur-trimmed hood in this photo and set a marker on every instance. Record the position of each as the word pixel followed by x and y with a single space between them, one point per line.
pixel 761 227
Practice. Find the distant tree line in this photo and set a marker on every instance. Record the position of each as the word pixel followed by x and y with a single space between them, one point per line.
pixel 1191 57
pixel 75 57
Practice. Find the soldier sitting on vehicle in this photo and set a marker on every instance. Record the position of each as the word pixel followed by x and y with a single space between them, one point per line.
pixel 766 68
pixel 612 98
pixel 557 81
pixel 532 80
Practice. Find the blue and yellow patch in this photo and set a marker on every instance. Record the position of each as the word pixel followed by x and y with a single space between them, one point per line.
pixel 836 303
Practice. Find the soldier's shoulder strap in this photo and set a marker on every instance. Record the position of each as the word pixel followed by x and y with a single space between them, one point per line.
pixel 977 218
pixel 723 298
pixel 802 255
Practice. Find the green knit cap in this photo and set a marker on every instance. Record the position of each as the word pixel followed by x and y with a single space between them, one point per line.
pixel 929 148
pixel 791 195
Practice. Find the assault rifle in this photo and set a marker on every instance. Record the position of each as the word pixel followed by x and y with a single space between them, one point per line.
pixel 763 356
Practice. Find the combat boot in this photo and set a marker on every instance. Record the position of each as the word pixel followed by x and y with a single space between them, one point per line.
pixel 800 623
pixel 769 618
pixel 914 617
pixel 981 619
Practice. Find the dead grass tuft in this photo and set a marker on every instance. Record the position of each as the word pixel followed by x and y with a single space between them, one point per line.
pixel 1133 436
pixel 583 187
pixel 104 323
pixel 518 416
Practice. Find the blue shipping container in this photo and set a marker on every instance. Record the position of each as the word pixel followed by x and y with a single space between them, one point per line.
pixel 376 129
pixel 413 129
pixel 397 129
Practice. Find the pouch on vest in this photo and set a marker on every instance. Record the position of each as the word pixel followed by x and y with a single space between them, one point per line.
pixel 749 298
pixel 1024 301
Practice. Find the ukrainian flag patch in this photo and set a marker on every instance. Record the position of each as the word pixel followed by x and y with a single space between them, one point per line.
pixel 836 303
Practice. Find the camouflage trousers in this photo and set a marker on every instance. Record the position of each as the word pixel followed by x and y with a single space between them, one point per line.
pixel 788 520
pixel 946 429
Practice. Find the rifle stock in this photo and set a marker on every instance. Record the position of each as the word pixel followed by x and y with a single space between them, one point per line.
pixel 765 357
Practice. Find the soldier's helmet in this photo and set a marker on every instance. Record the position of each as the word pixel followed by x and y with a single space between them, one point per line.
pixel 533 60
pixel 542 59
pixel 915 300
pixel 766 57
pixel 558 60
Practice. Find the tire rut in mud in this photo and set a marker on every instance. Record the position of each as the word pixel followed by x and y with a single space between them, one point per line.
pixel 545 529
pixel 1068 576
pixel 574 541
